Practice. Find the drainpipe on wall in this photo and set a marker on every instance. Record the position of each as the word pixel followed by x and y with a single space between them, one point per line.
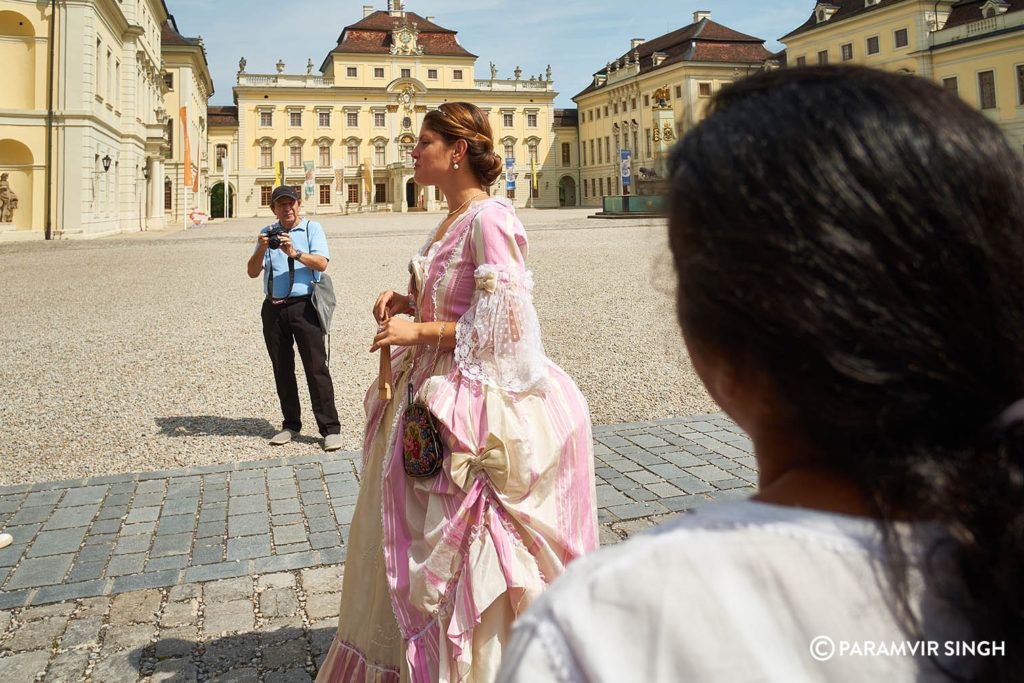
pixel 49 125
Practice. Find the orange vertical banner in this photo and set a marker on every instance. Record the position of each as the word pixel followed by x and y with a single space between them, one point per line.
pixel 187 179
pixel 199 167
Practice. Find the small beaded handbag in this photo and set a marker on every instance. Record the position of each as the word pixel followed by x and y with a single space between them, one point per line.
pixel 422 445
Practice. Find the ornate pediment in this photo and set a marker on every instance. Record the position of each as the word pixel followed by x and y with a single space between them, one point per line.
pixel 405 39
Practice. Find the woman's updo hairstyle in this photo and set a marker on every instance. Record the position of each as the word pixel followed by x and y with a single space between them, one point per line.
pixel 464 121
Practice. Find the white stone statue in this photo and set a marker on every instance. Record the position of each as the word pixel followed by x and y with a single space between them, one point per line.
pixel 494 71
pixel 8 201
pixel 309 67
pixel 241 65
pixel 280 66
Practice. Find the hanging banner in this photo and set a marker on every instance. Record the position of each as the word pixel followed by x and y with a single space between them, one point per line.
pixel 339 176
pixel 624 160
pixel 368 180
pixel 279 174
pixel 533 171
pixel 199 169
pixel 510 173
pixel 227 188
pixel 309 186
pixel 187 179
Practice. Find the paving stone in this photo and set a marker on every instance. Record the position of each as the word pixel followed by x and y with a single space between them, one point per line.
pixel 5 622
pixel 279 563
pixel 278 580
pixel 708 473
pixel 105 526
pixel 285 520
pixel 284 506
pixel 220 570
pixel 663 490
pixel 313 498
pixel 136 607
pixel 294 533
pixel 323 605
pixel 184 592
pixel 605 536
pixel 121 666
pixel 147 528
pixel 635 510
pixel 681 503
pixel 42 498
pixel 179 614
pixel 223 653
pixel 608 495
pixel 61 609
pixel 176 524
pixel 245 675
pixel 731 484
pixel 282 492
pixel 56 542
pixel 278 602
pixel 152 486
pixel 69 591
pixel 246 486
pixel 324 539
pixel 23 667
pixel 215 496
pixel 207 554
pixel 132 544
pixel 36 635
pixel 176 642
pixel 344 514
pixel 88 607
pixel 68 667
pixel 40 571
pixel 173 544
pixel 86 571
pixel 95 553
pixel 332 555
pixel 285 654
pixel 31 515
pixel 142 514
pixel 168 562
pixel 82 632
pixel 320 524
pixel 228 590
pixel 230 617
pixel 249 525
pixel 84 495
pixel 214 512
pixel 248 547
pixel 126 564
pixel 732 494
pixel 180 506
pixel 321 634
pixel 643 477
pixel 691 484
pixel 322 579
pixel 67 518
pixel 211 529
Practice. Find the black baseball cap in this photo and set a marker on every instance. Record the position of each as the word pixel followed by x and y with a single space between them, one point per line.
pixel 282 192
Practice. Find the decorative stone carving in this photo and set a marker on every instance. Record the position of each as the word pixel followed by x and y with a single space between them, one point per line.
pixel 309 67
pixel 518 73
pixel 661 98
pixel 494 71
pixel 241 65
pixel 8 201
pixel 280 66
pixel 548 73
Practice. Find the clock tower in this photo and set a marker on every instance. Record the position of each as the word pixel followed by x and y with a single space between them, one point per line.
pixel 405 39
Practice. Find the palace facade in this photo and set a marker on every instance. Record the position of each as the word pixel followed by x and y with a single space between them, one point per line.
pixel 974 48
pixel 616 108
pixel 344 131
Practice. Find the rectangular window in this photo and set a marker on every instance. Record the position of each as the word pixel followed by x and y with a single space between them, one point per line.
pixel 600 157
pixel 704 89
pixel 593 187
pixel 222 154
pixel 600 186
pixel 583 153
pixel 823 57
pixel 457 74
pixel 632 103
pixel 531 152
pixel 801 61
pixel 592 157
pixel 353 193
pixel 951 85
pixel 117 85
pixel 378 72
pixel 566 154
pixel 590 115
pixel 295 119
pixel 351 119
pixel 353 155
pixel 378 119
pixel 265 192
pixel 168 196
pixel 324 119
pixel 169 81
pixel 615 108
pixel 379 193
pixel 325 194
pixel 679 92
pixel 647 100
pixel 872 45
pixel 531 120
pixel 506 120
pixel 585 193
pixel 432 74
pixel 635 145
pixel 608 148
pixel 987 89
pixel 846 51
pixel 900 38
pixel 351 71
pixel 266 156
pixel 647 144
pixel 266 119
pixel 295 156
pixel 1020 84
pixel 378 155
pixel 606 111
pixel 406 73
pixel 325 156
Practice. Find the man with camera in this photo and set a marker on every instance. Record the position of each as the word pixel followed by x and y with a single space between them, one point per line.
pixel 290 251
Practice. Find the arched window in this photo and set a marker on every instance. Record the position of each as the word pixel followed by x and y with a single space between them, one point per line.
pixel 532 149
pixel 222 154
pixel 509 150
pixel 379 158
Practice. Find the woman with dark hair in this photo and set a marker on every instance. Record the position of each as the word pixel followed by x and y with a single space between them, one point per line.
pixel 849 246
pixel 437 567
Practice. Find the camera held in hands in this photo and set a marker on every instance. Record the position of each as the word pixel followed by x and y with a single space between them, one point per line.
pixel 274 237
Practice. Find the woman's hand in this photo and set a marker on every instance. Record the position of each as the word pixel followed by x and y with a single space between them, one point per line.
pixel 396 332
pixel 389 304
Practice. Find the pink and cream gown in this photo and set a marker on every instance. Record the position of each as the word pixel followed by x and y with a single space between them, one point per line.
pixel 438 568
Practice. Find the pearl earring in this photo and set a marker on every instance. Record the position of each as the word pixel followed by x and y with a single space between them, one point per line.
pixel 456 165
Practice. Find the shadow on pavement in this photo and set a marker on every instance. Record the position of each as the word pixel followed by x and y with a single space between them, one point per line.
pixel 212 425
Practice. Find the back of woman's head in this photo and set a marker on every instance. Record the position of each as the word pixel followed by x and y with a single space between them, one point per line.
pixel 858 236
pixel 464 121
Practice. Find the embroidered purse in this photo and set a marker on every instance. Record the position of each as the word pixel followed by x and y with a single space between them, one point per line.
pixel 422 445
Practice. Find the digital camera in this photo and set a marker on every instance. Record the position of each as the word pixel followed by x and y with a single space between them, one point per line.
pixel 274 235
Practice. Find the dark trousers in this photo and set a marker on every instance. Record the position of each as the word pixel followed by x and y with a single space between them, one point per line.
pixel 296 322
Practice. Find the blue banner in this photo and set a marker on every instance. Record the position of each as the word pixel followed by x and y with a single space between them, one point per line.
pixel 510 173
pixel 625 156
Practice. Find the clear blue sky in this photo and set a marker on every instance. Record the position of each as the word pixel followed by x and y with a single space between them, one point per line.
pixel 576 37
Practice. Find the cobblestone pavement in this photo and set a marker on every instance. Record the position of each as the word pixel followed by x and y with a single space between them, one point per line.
pixel 233 572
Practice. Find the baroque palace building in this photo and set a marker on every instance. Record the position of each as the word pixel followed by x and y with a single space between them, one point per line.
pixel 344 134
pixel 615 109
pixel 974 48
pixel 86 87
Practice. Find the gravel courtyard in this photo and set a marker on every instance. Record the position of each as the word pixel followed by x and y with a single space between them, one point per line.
pixel 144 352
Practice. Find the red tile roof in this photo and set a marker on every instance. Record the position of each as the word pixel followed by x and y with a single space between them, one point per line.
pixel 169 34
pixel 847 8
pixel 222 116
pixel 967 11
pixel 566 118
pixel 372 35
pixel 702 41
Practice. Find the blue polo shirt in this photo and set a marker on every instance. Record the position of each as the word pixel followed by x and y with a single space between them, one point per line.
pixel 307 237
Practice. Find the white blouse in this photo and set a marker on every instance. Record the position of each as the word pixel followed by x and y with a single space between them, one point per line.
pixel 734 591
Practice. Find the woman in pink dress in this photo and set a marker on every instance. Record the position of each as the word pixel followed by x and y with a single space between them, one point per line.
pixel 438 568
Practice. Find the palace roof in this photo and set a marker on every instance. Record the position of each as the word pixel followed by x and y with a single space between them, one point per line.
pixel 566 118
pixel 169 35
pixel 701 41
pixel 967 11
pixel 372 35
pixel 222 116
